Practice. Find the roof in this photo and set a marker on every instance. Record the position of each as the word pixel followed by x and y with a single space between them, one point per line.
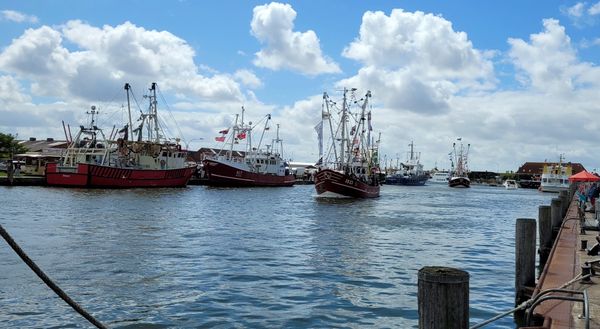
pixel 538 167
pixel 40 145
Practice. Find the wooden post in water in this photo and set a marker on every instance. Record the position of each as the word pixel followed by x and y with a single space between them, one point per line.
pixel 443 298
pixel 10 171
pixel 555 210
pixel 564 199
pixel 545 232
pixel 524 258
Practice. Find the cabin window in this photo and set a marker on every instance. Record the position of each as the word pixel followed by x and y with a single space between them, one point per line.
pixel 164 154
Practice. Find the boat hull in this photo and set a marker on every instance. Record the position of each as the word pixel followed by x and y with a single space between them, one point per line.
pixel 90 175
pixel 459 182
pixel 329 181
pixel 552 188
pixel 222 174
pixel 408 181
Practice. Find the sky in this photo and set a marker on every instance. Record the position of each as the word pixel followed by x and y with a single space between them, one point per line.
pixel 517 80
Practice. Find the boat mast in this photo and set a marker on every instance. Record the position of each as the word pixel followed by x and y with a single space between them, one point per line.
pixel 153 112
pixel 234 135
pixel 343 123
pixel 360 127
pixel 127 87
pixel 328 114
pixel 262 135
pixel 280 141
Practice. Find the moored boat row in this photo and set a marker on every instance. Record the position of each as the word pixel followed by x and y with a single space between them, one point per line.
pixel 348 165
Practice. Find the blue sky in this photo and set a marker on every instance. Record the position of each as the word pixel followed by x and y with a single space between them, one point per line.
pixel 517 80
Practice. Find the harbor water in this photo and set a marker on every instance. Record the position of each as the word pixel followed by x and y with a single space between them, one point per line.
pixel 201 257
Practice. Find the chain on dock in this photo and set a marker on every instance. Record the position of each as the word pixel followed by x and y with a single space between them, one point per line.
pixel 47 280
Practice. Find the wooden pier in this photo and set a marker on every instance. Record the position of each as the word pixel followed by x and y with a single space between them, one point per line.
pixel 23 181
pixel 569 262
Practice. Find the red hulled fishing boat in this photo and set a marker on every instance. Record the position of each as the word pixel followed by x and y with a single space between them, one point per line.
pixel 253 166
pixel 349 168
pixel 92 160
pixel 459 176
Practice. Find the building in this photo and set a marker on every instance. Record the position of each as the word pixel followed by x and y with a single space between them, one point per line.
pixel 39 152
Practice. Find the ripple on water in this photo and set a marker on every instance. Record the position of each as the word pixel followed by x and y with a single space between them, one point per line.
pixel 219 257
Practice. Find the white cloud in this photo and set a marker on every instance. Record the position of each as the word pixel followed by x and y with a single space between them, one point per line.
pixel 18 17
pixel 11 92
pixel 107 56
pixel 549 63
pixel 247 78
pixel 594 9
pixel 273 25
pixel 576 10
pixel 416 61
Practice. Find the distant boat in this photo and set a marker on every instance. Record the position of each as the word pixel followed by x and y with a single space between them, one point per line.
pixel 409 172
pixel 510 184
pixel 251 167
pixel 555 177
pixel 459 176
pixel 349 168
pixel 439 177
pixel 92 160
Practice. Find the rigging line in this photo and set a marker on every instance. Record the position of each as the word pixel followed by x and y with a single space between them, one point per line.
pixel 47 280
pixel 170 112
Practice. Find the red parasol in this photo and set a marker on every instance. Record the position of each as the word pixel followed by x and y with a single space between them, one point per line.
pixel 584 176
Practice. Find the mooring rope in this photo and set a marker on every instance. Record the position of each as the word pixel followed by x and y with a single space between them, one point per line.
pixel 47 280
pixel 527 303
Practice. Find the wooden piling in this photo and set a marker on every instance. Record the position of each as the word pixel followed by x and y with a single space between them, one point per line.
pixel 545 232
pixel 443 294
pixel 524 258
pixel 555 210
pixel 564 202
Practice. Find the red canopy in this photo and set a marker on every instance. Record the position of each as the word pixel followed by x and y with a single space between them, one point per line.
pixel 584 176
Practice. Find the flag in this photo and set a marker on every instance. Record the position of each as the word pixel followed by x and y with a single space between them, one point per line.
pixel 241 135
pixel 319 130
pixel 220 139
pixel 125 132
pixel 224 131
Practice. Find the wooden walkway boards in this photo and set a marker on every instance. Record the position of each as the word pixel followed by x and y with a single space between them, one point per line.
pixel 564 265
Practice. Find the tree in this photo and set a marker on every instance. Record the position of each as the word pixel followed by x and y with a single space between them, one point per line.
pixel 9 146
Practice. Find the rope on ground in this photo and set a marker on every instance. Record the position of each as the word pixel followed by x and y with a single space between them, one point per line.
pixel 527 303
pixel 47 280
